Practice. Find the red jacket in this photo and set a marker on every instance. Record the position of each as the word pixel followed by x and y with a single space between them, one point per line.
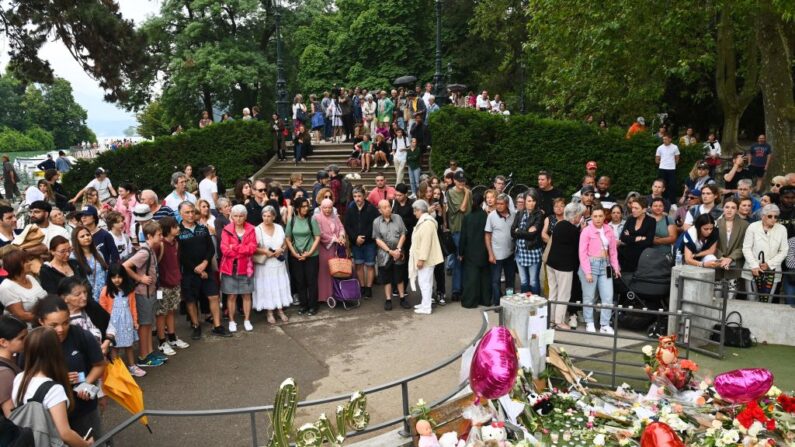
pixel 241 250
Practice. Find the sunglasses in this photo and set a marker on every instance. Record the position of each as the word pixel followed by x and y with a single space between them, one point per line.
pixel 691 197
pixel 261 190
pixel 775 185
pixel 772 216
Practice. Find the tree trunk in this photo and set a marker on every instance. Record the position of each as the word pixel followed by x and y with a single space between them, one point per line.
pixel 777 89
pixel 207 99
pixel 733 103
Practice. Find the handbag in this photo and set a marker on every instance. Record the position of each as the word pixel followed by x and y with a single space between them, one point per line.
pixel 318 120
pixel 340 267
pixel 735 335
pixel 764 282
pixel 259 259
pixel 448 244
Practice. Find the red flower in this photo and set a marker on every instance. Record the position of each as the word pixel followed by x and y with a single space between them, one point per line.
pixel 787 403
pixel 771 425
pixel 689 365
pixel 751 413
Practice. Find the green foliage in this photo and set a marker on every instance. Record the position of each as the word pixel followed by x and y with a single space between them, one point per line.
pixel 42 137
pixel 237 149
pixel 486 145
pixel 53 108
pixel 152 121
pixel 14 141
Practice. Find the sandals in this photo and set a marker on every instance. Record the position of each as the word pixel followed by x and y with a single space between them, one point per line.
pixel 563 326
pixel 271 320
pixel 283 317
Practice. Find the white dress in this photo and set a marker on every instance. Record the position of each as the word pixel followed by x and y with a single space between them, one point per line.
pixel 271 282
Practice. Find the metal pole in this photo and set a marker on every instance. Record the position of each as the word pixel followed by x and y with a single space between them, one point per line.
pixel 615 345
pixel 724 302
pixel 404 392
pixel 254 442
pixel 282 103
pixel 440 89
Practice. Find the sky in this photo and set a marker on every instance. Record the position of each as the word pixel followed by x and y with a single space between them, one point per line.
pixel 105 119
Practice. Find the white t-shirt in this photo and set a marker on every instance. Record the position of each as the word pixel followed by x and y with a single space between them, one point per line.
pixel 33 194
pixel 206 189
pixel 713 149
pixel 123 244
pixel 103 187
pixel 425 98
pixel 483 103
pixel 667 156
pixel 53 230
pixel 12 293
pixel 701 210
pixel 400 146
pixel 56 395
pixel 173 200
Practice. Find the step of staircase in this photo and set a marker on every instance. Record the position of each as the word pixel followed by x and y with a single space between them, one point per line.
pixel 323 155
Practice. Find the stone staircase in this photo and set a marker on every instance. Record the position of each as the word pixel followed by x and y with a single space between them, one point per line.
pixel 323 155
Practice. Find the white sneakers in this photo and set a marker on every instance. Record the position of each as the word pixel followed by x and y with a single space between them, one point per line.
pixel 573 321
pixel 166 349
pixel 422 310
pixel 590 327
pixel 232 327
pixel 247 326
pixel 606 330
pixel 179 344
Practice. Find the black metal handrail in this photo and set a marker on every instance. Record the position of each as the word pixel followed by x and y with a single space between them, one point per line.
pixel 252 411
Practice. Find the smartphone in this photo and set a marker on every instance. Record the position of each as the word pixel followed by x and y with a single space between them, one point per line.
pixel 88 433
pixel 609 271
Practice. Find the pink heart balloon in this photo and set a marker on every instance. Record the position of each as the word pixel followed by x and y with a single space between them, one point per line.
pixel 743 385
pixel 494 364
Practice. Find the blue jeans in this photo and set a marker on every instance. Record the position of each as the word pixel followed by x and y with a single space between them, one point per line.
pixel 414 179
pixel 788 288
pixel 605 286
pixel 458 269
pixel 299 152
pixel 529 278
pixel 506 265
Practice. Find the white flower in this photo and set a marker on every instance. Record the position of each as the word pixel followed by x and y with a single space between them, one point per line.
pixel 730 437
pixel 773 391
pixel 703 386
pixel 421 403
pixel 716 424
pixel 647 350
pixel 599 439
pixel 755 428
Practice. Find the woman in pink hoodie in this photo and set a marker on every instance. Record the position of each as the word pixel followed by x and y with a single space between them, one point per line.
pixel 238 244
pixel 598 255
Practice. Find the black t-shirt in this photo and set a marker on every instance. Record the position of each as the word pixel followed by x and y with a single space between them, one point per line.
pixel 739 175
pixel 545 199
pixel 81 352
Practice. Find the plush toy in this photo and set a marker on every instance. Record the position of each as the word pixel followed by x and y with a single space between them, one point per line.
pixel 427 438
pixel 669 368
pixel 542 404
pixel 450 439
pixel 495 432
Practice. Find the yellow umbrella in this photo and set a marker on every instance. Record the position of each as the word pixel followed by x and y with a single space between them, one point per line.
pixel 121 387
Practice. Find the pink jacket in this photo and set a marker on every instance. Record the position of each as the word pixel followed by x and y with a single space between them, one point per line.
pixel 243 250
pixel 591 246
pixel 126 211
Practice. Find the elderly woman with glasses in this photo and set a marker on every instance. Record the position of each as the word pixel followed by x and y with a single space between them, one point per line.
pixel 764 248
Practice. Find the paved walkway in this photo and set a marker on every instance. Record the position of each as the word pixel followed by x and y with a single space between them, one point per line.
pixel 336 352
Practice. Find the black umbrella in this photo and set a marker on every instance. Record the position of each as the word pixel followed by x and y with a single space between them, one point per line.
pixel 456 87
pixel 405 81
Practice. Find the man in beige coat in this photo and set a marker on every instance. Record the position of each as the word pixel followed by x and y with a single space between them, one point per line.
pixel 425 253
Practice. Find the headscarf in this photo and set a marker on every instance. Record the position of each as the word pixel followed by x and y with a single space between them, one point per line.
pixel 330 226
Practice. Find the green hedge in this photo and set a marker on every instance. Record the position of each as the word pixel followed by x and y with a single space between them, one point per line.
pixel 14 141
pixel 43 137
pixel 486 145
pixel 236 148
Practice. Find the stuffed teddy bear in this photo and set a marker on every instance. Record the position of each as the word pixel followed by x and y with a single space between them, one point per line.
pixel 495 432
pixel 450 439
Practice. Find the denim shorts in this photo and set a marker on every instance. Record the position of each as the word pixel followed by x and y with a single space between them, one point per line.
pixel 364 254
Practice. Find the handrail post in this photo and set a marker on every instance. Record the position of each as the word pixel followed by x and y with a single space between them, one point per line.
pixel 254 442
pixel 724 303
pixel 404 392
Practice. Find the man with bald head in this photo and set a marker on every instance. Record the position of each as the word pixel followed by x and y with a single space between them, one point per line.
pixel 149 198
pixel 389 234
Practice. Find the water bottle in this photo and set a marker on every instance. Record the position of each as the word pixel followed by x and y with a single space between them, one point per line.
pixel 678 257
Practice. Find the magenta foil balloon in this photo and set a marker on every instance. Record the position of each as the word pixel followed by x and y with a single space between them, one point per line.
pixel 743 385
pixel 494 365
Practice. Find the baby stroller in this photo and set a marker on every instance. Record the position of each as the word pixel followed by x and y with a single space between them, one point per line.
pixel 344 287
pixel 648 288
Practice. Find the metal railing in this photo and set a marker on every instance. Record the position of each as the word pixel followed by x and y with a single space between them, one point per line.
pixel 607 353
pixel 402 383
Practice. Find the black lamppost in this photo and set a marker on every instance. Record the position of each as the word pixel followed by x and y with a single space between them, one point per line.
pixel 439 86
pixel 282 101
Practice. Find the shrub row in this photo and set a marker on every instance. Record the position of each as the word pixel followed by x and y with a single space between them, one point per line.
pixel 236 148
pixel 35 139
pixel 486 145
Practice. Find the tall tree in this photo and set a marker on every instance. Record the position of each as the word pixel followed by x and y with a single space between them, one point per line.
pixel 107 47
pixel 53 107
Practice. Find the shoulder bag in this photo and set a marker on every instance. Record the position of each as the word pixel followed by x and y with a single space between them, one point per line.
pixel 735 335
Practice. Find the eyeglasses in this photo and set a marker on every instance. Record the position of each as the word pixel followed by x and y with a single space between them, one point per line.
pixel 691 197
pixel 64 251
pixel 772 216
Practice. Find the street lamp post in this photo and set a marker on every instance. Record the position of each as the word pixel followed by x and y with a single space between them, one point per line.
pixel 439 87
pixel 282 102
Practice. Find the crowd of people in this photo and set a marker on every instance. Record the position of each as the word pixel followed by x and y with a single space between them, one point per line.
pixel 106 271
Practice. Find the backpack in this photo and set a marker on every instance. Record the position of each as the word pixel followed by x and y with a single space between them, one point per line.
pixel 346 191
pixel 36 420
pixel 11 434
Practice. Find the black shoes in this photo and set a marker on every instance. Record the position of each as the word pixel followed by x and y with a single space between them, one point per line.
pixel 312 312
pixel 303 311
pixel 221 331
pixel 388 305
pixel 197 333
pixel 404 303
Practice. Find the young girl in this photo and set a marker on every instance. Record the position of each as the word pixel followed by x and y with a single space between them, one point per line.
pixel 365 148
pixel 12 340
pixel 122 240
pixel 118 299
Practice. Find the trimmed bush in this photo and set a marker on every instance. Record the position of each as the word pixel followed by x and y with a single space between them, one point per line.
pixel 13 141
pixel 236 148
pixel 487 145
